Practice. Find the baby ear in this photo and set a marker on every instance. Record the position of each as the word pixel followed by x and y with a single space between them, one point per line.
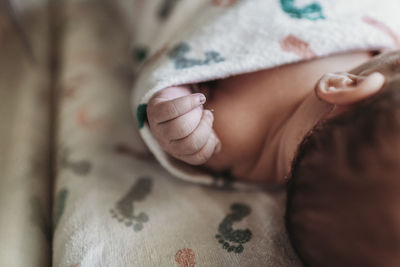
pixel 343 88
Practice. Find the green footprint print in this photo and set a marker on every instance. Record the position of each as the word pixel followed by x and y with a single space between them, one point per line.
pixel 312 11
pixel 178 55
pixel 124 209
pixel 227 235
pixel 81 167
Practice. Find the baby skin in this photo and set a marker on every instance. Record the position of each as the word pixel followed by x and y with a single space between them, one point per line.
pixel 250 125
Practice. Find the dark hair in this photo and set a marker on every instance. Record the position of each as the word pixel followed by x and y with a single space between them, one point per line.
pixel 343 196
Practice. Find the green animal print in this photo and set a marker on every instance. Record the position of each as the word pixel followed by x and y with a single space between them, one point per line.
pixel 312 11
pixel 124 209
pixel 81 167
pixel 178 55
pixel 141 115
pixel 228 235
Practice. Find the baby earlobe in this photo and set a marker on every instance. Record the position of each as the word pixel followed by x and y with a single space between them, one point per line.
pixel 343 88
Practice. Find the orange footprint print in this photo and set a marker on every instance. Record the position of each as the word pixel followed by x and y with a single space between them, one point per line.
pixel 294 45
pixel 185 258
pixel 85 122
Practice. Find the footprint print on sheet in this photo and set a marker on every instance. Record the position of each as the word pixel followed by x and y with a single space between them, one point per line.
pixel 311 11
pixel 124 209
pixel 185 258
pixel 166 8
pixel 233 240
pixel 79 167
pixel 60 203
pixel 87 122
pixel 178 55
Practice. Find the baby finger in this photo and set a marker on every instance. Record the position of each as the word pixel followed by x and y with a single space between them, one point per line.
pixel 204 154
pixel 196 140
pixel 180 127
pixel 163 111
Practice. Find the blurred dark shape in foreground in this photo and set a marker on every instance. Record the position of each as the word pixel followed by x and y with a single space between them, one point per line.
pixel 8 11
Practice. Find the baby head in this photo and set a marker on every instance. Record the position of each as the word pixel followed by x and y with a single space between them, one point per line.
pixel 343 206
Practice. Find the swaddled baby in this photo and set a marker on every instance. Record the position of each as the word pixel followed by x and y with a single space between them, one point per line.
pixel 214 103
pixel 250 125
pixel 344 186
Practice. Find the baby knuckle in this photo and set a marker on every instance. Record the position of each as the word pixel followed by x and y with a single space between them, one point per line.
pixel 171 109
pixel 155 113
pixel 182 131
pixel 195 145
pixel 187 149
pixel 175 132
pixel 200 158
pixel 170 133
pixel 186 128
pixel 192 146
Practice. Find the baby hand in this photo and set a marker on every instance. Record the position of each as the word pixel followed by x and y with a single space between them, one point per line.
pixel 181 126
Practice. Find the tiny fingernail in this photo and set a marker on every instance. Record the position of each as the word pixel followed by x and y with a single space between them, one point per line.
pixel 202 99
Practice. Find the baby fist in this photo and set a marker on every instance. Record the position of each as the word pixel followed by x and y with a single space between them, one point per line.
pixel 181 126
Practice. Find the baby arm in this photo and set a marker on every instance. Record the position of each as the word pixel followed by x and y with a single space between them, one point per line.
pixel 181 125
